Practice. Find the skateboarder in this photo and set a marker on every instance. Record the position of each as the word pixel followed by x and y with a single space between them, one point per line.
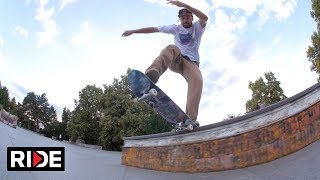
pixel 183 57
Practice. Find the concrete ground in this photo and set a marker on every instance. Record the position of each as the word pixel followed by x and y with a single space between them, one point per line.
pixel 90 164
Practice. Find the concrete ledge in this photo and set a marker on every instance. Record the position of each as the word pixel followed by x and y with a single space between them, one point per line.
pixel 8 118
pixel 248 140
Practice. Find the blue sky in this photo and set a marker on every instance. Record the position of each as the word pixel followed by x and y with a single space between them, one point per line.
pixel 58 47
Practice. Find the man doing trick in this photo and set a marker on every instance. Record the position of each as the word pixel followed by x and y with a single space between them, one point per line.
pixel 183 56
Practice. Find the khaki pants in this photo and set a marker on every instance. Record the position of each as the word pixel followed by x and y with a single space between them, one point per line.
pixel 171 57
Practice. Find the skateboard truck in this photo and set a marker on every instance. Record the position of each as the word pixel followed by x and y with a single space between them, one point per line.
pixel 145 96
pixel 186 125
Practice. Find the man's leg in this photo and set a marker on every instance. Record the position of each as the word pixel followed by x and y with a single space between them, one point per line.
pixel 171 57
pixel 168 56
pixel 193 76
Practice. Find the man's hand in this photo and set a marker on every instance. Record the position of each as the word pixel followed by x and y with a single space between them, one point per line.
pixel 127 33
pixel 202 17
pixel 177 3
pixel 145 30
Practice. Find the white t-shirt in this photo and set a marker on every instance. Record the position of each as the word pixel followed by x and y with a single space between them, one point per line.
pixel 186 39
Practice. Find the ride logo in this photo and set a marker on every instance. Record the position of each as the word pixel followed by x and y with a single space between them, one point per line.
pixel 35 159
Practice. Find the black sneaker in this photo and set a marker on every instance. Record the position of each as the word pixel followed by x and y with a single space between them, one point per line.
pixel 196 123
pixel 190 121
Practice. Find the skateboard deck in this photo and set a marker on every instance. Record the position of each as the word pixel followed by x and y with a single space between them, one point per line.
pixel 145 90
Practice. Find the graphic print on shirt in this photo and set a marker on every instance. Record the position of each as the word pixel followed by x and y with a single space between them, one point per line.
pixel 185 38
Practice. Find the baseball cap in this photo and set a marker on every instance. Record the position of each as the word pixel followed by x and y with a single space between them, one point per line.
pixel 183 12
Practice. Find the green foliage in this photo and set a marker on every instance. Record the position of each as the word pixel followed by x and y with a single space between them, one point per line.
pixel 51 129
pixel 315 13
pixel 105 117
pixel 66 116
pixel 12 108
pixel 34 110
pixel 154 124
pixel 122 117
pixel 4 97
pixel 5 102
pixel 313 52
pixel 265 93
pixel 84 121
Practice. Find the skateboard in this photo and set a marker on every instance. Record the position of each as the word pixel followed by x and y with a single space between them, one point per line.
pixel 146 91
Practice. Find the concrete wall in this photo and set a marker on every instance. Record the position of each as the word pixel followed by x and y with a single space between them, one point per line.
pixel 255 138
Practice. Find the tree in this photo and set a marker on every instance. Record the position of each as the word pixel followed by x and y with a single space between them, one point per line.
pixel 36 110
pixel 50 122
pixel 22 114
pixel 313 52
pixel 12 107
pixel 5 102
pixel 122 117
pixel 264 93
pixel 84 121
pixel 66 116
pixel 4 97
pixel 104 117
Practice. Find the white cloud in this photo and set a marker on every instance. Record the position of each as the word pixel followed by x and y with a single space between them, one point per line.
pixel 225 27
pixel 249 6
pixel 282 9
pixel 265 9
pixel 28 1
pixel 50 30
pixel 202 5
pixel 64 3
pixel 2 59
pixel 276 40
pixel 84 36
pixel 1 42
pixel 21 31
pixel 161 2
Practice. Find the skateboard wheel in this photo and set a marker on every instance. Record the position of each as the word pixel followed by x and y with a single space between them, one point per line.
pixel 190 127
pixel 153 92
pixel 144 97
pixel 135 100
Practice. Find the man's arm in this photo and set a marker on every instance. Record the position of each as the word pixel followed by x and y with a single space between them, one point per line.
pixel 142 30
pixel 202 17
